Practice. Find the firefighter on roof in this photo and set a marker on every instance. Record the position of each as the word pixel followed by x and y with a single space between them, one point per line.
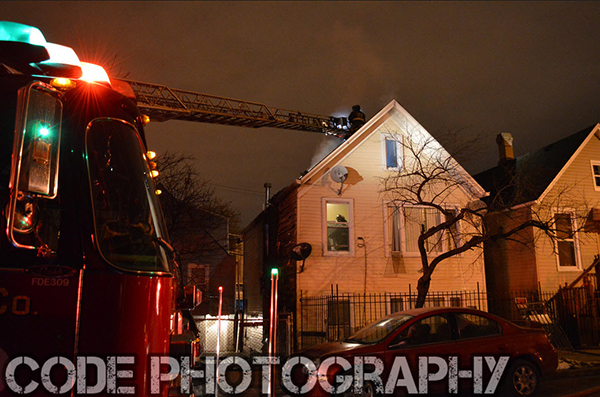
pixel 357 119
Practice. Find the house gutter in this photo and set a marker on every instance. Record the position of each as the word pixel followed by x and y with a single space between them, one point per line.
pixel 523 205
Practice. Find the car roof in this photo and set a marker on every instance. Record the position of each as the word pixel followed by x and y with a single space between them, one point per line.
pixel 430 310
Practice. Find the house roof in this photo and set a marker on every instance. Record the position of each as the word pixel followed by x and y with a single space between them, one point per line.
pixel 535 173
pixel 395 111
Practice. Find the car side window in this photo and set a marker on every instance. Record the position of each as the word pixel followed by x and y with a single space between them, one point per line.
pixel 432 329
pixel 475 326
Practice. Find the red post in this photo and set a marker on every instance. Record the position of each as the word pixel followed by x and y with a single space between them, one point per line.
pixel 218 340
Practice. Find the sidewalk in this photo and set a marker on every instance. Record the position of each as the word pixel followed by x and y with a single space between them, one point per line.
pixel 572 364
pixel 581 358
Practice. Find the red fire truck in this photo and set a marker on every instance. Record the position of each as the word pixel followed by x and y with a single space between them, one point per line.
pixel 88 282
pixel 91 297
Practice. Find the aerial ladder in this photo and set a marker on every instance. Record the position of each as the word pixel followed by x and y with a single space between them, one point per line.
pixel 162 103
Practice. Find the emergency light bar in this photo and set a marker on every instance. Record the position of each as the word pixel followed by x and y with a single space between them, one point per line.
pixel 17 32
pixel 25 49
pixel 94 73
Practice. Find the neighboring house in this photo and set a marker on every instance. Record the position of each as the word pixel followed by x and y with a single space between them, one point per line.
pixel 202 241
pixel 559 183
pixel 360 242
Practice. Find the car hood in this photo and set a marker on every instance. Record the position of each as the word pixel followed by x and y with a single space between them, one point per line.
pixel 328 349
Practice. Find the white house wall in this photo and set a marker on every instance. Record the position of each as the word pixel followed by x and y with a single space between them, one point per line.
pixel 346 272
pixel 574 189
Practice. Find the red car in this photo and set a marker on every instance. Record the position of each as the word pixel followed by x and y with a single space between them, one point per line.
pixel 446 351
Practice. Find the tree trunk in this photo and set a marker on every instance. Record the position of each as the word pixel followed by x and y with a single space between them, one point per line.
pixel 422 289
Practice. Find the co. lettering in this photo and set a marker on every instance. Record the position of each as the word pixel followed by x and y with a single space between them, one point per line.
pixel 19 305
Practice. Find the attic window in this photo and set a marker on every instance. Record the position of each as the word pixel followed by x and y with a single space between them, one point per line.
pixel 392 151
pixel 596 174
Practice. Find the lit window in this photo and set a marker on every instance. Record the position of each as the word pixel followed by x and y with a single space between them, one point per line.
pixel 395 227
pixel 566 243
pixel 596 174
pixel 452 233
pixel 338 231
pixel 406 224
pixel 392 151
pixel 417 220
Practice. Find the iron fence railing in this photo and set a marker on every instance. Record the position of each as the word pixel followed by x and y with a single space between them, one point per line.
pixel 572 315
pixel 334 316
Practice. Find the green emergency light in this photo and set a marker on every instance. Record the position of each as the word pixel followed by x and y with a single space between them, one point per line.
pixel 17 32
pixel 43 131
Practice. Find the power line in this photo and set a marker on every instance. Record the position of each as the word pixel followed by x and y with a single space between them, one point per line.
pixel 239 189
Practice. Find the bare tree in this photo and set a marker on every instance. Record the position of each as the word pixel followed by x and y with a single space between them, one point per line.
pixel 430 176
pixel 198 221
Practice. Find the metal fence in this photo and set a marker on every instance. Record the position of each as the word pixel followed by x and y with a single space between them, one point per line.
pixel 571 315
pixel 572 311
pixel 244 334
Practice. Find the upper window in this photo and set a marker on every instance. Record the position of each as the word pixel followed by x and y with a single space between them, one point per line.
pixel 596 174
pixel 392 151
pixel 566 241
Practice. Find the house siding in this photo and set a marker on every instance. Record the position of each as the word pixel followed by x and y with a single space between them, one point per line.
pixel 346 272
pixel 368 266
pixel 574 190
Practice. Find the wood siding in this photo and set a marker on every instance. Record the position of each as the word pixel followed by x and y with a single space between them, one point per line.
pixel 573 190
pixel 371 267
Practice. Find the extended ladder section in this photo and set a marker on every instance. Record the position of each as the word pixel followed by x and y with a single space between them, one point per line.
pixel 162 103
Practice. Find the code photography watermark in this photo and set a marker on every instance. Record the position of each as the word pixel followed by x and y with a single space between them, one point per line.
pixel 334 375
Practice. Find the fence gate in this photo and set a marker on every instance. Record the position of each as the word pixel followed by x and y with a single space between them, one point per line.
pixel 577 310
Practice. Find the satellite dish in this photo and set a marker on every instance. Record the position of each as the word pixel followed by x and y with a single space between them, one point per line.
pixel 339 173
pixel 300 252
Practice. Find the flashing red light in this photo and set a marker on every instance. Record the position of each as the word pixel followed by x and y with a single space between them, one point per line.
pixel 94 73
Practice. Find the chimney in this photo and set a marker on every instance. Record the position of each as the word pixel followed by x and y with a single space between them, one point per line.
pixel 505 147
pixel 267 195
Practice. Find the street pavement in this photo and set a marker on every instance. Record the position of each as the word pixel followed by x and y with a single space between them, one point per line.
pixel 578 375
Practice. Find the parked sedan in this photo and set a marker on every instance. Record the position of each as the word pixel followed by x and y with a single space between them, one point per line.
pixel 445 351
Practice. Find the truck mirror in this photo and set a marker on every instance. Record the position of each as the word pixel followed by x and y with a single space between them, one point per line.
pixel 34 173
pixel 40 144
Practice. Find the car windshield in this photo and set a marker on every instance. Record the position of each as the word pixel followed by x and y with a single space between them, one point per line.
pixel 379 330
pixel 128 223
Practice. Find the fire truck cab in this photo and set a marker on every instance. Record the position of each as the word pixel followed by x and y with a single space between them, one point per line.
pixel 89 288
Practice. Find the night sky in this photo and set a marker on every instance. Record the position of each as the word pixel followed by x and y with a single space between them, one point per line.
pixel 528 68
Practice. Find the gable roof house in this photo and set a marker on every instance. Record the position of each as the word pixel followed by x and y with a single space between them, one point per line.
pixel 338 241
pixel 559 184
